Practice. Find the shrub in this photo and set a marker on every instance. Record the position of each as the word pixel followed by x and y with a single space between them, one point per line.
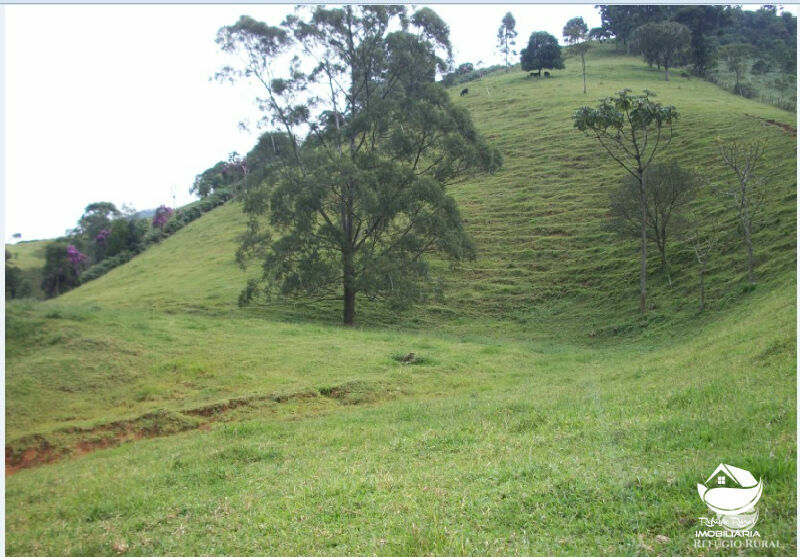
pixel 105 266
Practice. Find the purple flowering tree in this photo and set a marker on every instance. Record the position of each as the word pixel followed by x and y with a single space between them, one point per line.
pixel 76 258
pixel 102 236
pixel 161 217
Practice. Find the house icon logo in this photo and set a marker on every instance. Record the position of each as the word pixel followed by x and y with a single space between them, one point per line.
pixel 732 493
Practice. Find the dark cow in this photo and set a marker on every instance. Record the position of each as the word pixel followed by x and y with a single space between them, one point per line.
pixel 535 74
pixel 547 74
pixel 464 91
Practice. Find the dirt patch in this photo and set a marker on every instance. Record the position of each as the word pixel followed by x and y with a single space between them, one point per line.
pixel 785 127
pixel 35 450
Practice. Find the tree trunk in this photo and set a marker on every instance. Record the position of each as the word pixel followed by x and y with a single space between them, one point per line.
pixel 666 72
pixel 749 242
pixel 702 287
pixel 349 315
pixel 583 67
pixel 665 265
pixel 643 271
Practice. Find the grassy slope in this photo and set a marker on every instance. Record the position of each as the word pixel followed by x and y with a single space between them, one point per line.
pixel 509 384
pixel 515 448
pixel 539 223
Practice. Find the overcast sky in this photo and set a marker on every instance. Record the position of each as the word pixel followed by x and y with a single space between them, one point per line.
pixel 114 103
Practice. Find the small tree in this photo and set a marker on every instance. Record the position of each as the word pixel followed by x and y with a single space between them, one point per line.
pixel 703 244
pixel 542 52
pixel 736 57
pixel 575 33
pixel 746 195
pixel 632 129
pixel 669 190
pixel 507 37
pixel 661 43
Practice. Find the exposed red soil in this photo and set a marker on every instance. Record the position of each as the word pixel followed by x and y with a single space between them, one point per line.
pixel 36 450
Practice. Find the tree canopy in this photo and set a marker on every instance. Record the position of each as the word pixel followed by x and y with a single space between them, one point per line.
pixel 661 43
pixel 542 52
pixel 356 197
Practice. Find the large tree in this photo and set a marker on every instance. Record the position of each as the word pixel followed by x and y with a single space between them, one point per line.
pixel 632 129
pixel 542 52
pixel 507 36
pixel 357 197
pixel 662 43
pixel 575 33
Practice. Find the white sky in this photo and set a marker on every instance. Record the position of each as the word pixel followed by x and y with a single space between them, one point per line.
pixel 114 103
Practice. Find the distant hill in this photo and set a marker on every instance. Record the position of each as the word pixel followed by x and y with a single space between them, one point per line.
pixel 145 214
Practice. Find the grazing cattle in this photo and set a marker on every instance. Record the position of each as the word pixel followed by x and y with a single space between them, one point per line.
pixel 535 74
pixel 547 74
pixel 464 91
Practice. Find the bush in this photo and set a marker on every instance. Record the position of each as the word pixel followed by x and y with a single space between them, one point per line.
pixel 105 266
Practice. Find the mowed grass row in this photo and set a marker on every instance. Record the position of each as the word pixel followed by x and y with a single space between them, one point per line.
pixel 555 452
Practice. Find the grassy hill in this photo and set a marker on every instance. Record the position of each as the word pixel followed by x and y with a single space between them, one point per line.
pixel 542 414
pixel 539 223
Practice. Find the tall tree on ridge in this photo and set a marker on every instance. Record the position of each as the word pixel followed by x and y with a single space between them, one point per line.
pixel 575 33
pixel 507 36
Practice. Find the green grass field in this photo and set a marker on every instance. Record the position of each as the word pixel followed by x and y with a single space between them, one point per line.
pixel 541 415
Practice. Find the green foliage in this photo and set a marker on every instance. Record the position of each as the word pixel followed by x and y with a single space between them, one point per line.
pixel 575 30
pixel 542 52
pixel 224 174
pixel 662 43
pixel 358 201
pixel 59 274
pixel 126 235
pixel 621 21
pixel 106 265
